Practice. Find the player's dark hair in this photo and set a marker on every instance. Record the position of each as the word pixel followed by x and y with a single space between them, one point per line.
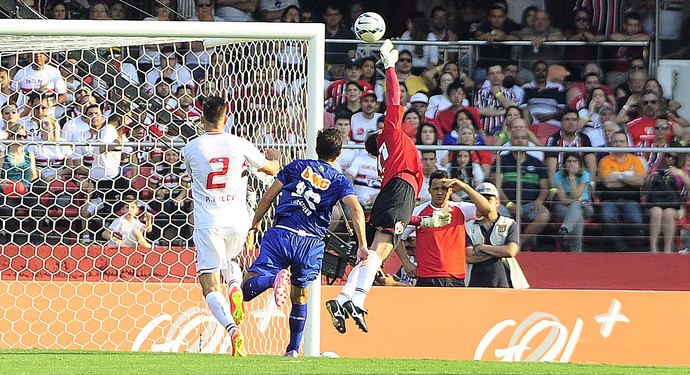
pixel 370 144
pixel 439 173
pixel 213 109
pixel 328 144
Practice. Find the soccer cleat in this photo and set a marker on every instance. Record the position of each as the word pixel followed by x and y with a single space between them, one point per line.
pixel 338 315
pixel 281 286
pixel 236 303
pixel 357 315
pixel 237 340
pixel 291 353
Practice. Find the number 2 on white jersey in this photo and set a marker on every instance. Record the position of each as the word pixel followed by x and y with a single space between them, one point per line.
pixel 210 185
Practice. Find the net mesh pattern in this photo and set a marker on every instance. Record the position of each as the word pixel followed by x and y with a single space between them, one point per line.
pixel 63 284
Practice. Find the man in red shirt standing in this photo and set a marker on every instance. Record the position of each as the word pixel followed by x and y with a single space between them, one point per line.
pixel 440 252
pixel 400 170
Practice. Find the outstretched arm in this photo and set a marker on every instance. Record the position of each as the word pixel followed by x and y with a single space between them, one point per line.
pixel 265 203
pixel 389 56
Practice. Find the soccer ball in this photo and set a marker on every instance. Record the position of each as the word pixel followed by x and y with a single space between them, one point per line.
pixel 370 27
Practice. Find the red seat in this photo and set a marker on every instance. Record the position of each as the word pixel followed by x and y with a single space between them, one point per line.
pixel 544 130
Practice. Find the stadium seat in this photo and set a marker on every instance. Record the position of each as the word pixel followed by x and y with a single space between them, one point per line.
pixel 544 130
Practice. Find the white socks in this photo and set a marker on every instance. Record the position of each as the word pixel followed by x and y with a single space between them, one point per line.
pixel 233 274
pixel 350 285
pixel 220 308
pixel 365 279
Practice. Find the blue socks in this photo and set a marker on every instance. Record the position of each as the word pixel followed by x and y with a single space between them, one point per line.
pixel 298 318
pixel 256 285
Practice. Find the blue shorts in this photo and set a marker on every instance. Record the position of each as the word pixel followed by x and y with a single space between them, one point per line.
pixel 282 248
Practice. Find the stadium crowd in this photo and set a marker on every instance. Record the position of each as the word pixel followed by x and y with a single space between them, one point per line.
pixel 538 95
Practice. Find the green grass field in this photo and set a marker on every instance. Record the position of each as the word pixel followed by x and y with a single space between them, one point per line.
pixel 94 362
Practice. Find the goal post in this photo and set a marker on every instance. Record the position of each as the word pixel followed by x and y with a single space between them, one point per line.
pixel 57 281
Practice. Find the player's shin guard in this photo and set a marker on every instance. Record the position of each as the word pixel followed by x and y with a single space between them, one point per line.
pixel 220 308
pixel 298 318
pixel 350 285
pixel 255 286
pixel 366 278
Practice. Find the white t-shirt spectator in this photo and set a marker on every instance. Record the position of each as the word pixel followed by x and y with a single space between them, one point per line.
pixel 106 166
pixel 429 55
pixel 75 130
pixel 50 158
pixel 124 229
pixel 361 126
pixel 181 76
pixel 366 178
pixel 48 79
pixel 347 155
pixel 228 13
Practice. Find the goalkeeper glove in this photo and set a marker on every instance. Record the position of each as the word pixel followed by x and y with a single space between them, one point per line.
pixel 439 218
pixel 389 55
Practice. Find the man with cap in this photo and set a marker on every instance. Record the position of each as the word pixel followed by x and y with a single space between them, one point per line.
pixel 440 251
pixel 365 121
pixel 490 238
pixel 420 102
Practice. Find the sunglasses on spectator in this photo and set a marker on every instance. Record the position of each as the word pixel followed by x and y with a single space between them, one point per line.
pixel 647 102
pixel 20 136
pixel 663 127
pixel 637 67
pixel 203 5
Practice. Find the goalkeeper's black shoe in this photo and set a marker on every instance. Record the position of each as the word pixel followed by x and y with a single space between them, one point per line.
pixel 357 315
pixel 338 315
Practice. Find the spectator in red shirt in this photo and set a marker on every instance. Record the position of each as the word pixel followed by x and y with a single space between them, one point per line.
pixel 440 253
pixel 641 129
pixel 446 118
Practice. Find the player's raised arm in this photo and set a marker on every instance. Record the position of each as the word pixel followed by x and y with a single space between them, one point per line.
pixel 389 56
pixel 358 221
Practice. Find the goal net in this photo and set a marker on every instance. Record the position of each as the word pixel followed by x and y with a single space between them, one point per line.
pixel 73 272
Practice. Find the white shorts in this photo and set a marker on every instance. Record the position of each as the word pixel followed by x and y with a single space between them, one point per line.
pixel 216 247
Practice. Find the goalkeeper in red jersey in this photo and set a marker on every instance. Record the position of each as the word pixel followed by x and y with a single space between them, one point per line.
pixel 400 172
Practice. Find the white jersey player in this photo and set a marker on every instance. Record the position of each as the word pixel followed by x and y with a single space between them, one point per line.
pixel 217 162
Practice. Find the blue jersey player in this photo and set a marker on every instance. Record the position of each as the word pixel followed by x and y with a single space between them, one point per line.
pixel 309 189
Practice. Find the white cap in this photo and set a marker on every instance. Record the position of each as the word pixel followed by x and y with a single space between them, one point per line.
pixel 419 98
pixel 487 188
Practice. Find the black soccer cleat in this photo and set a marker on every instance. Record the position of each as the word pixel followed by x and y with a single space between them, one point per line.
pixel 357 315
pixel 338 315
